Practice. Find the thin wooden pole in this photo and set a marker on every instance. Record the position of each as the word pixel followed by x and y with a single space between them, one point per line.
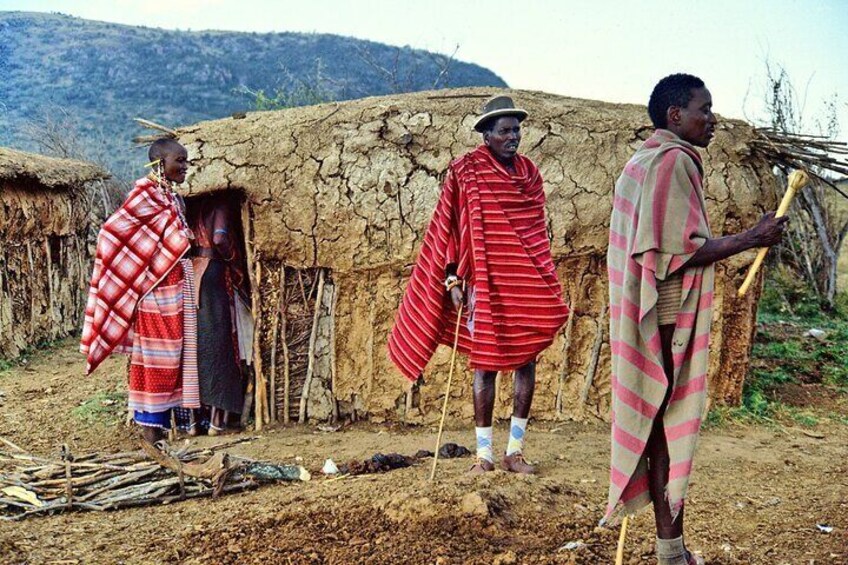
pixel 31 264
pixel 566 344
pixel 286 359
pixel 619 553
pixel 261 392
pixel 333 371
pixel 254 273
pixel 797 180
pixel 447 393
pixel 275 325
pixel 49 264
pixel 593 360
pixel 3 293
pixel 82 276
pixel 310 366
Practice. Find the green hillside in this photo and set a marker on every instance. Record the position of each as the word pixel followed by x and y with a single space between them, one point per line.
pixel 91 78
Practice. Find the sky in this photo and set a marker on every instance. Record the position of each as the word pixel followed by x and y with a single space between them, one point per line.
pixel 607 50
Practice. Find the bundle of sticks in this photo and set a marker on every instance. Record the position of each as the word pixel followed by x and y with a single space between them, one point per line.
pixel 31 485
pixel 807 152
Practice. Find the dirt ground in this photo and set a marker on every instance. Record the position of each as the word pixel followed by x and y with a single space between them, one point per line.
pixel 757 493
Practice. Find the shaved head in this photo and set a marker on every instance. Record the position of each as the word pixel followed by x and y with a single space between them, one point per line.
pixel 162 147
pixel 172 157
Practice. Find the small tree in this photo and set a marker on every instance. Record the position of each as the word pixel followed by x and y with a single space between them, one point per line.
pixel 56 133
pixel 314 88
pixel 819 225
pixel 403 79
pixel 402 71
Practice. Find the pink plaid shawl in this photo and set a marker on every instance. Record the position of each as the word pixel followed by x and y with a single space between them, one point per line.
pixel 137 246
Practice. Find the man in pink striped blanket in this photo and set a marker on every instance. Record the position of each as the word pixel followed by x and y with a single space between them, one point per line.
pixel 661 269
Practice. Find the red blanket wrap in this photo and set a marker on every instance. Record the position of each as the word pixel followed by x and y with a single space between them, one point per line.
pixel 137 246
pixel 491 223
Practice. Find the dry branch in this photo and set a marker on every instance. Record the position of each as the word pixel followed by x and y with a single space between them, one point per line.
pixel 310 367
pixel 153 125
pixel 593 360
pixel 811 153
pixel 286 356
pixel 31 485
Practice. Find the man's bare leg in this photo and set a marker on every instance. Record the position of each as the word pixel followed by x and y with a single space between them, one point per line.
pixel 669 532
pixel 151 435
pixel 484 407
pixel 524 385
pixel 657 452
pixel 484 397
pixel 193 420
pixel 523 388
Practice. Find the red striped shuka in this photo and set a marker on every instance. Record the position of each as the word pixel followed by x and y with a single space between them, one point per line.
pixel 491 223
pixel 659 220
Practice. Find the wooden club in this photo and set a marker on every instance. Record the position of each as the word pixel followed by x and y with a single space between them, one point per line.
pixel 797 180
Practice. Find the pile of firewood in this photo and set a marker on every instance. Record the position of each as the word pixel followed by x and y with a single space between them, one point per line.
pixel 31 485
pixel 815 154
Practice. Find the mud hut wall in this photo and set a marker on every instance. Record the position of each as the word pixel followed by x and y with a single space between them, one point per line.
pixel 350 187
pixel 44 264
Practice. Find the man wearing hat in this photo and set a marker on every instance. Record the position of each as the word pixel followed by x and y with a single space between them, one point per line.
pixel 486 247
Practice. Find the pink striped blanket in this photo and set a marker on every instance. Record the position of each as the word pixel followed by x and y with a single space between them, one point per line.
pixel 658 222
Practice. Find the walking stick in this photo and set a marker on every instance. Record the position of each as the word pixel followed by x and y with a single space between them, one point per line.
pixel 619 553
pixel 797 180
pixel 447 392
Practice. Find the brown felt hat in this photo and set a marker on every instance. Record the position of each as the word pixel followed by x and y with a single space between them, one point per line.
pixel 497 107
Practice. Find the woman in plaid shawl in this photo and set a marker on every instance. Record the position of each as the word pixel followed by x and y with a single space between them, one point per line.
pixel 140 289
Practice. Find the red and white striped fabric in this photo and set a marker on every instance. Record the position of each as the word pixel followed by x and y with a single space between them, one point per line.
pixel 155 374
pixel 491 223
pixel 659 220
pixel 190 373
pixel 137 246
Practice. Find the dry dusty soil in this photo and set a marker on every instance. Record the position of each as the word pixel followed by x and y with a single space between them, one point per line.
pixel 757 494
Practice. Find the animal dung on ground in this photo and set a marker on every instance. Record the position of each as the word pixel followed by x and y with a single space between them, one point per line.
pixel 452 450
pixel 379 463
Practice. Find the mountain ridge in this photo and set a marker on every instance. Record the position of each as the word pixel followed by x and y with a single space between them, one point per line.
pixel 87 79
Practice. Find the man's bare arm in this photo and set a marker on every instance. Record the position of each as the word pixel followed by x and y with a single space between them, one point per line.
pixel 768 232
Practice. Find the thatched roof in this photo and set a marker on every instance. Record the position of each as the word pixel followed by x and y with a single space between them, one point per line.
pixel 47 171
